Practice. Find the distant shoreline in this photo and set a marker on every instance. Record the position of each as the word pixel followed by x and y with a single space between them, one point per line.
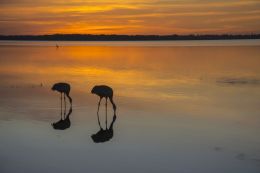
pixel 89 37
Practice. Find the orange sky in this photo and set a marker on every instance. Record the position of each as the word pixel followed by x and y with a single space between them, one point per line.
pixel 129 16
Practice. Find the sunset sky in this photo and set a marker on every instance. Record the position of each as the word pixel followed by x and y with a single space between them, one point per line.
pixel 129 16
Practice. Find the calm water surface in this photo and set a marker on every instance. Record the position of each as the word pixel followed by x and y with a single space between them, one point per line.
pixel 181 107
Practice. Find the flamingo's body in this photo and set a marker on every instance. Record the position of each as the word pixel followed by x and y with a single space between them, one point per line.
pixel 104 91
pixel 63 88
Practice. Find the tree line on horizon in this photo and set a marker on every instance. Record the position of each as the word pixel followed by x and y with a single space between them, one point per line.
pixel 114 37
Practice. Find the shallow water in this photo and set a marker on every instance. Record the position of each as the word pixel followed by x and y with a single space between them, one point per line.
pixel 180 108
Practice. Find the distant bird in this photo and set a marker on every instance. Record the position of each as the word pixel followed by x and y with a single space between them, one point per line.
pixel 57 46
pixel 63 88
pixel 104 91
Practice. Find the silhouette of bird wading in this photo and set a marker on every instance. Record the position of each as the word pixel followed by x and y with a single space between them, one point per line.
pixel 63 88
pixel 106 92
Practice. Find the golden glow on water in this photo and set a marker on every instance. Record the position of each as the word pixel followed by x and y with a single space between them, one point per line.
pixel 167 72
pixel 181 106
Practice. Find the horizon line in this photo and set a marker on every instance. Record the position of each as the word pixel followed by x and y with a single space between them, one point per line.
pixel 115 37
pixel 221 34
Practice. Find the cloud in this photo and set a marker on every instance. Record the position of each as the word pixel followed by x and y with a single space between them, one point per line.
pixel 155 16
pixel 239 81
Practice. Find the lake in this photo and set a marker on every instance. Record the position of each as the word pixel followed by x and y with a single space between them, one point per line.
pixel 182 106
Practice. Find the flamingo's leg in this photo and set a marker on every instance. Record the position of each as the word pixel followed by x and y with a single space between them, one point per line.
pixel 65 106
pixel 70 99
pixel 113 103
pixel 61 105
pixel 98 112
pixel 106 113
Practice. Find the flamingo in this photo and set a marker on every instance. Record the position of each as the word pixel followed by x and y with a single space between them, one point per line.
pixel 63 88
pixel 104 91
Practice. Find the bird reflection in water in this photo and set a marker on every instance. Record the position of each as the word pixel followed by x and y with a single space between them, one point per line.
pixel 104 135
pixel 64 122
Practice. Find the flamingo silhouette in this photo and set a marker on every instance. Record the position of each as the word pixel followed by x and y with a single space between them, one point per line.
pixel 104 91
pixel 63 88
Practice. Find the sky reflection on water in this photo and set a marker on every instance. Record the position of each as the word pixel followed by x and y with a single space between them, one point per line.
pixel 177 109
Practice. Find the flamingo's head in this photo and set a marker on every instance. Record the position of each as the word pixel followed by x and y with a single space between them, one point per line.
pixel 94 90
pixel 54 87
